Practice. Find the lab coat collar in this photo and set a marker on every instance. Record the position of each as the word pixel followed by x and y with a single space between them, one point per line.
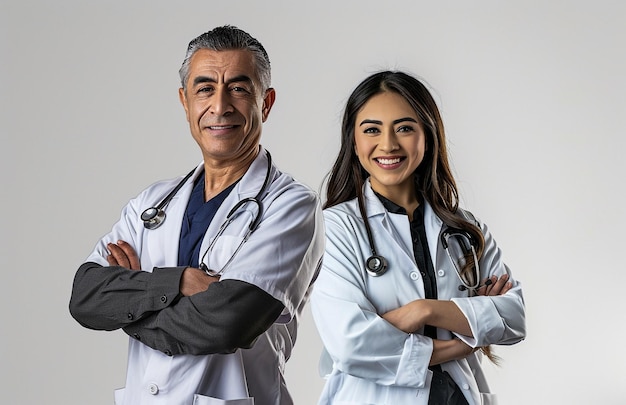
pixel 375 207
pixel 251 181
pixel 254 177
pixel 432 223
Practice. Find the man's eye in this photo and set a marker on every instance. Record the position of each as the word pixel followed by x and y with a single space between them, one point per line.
pixel 204 89
pixel 239 89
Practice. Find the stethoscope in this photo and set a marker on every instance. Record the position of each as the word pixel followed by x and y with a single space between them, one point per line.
pixel 376 265
pixel 154 217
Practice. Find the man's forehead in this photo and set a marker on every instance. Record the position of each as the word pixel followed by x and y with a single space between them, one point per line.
pixel 208 62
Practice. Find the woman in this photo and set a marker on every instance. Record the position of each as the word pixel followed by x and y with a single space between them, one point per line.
pixel 401 317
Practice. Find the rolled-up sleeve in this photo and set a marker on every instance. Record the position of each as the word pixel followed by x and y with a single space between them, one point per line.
pixel 494 319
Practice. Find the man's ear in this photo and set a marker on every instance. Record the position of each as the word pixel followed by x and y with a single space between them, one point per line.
pixel 183 100
pixel 268 102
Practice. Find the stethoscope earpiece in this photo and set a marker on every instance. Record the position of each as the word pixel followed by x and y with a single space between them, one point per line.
pixel 376 265
pixel 153 218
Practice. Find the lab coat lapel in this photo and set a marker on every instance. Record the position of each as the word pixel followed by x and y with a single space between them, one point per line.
pixel 396 226
pixel 162 243
pixel 433 225
pixel 248 186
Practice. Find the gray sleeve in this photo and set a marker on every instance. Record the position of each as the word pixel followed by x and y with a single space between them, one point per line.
pixel 109 298
pixel 229 315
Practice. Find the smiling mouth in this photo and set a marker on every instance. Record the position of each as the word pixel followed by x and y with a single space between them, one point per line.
pixel 389 161
pixel 221 127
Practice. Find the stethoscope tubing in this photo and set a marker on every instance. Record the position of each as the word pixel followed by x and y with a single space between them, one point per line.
pixel 376 265
pixel 154 216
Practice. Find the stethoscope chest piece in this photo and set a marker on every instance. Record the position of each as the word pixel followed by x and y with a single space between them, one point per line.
pixel 153 217
pixel 376 265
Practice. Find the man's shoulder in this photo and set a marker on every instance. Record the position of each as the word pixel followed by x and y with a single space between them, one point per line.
pixel 160 187
pixel 285 183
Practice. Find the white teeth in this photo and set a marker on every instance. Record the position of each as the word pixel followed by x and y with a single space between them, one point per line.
pixel 388 161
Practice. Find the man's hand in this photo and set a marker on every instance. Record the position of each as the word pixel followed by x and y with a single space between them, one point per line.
pixel 123 254
pixel 195 281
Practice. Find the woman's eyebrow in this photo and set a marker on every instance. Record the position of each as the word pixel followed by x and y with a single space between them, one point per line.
pixel 399 120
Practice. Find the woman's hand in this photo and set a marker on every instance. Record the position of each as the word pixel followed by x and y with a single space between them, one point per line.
pixel 495 285
pixel 410 317
pixel 443 314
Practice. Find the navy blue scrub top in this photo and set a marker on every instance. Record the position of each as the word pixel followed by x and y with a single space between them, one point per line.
pixel 196 220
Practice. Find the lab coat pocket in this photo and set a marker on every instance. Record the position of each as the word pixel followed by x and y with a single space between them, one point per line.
pixel 488 399
pixel 202 400
pixel 352 403
pixel 119 396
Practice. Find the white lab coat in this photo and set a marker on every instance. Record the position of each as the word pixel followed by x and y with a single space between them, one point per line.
pixel 279 258
pixel 366 359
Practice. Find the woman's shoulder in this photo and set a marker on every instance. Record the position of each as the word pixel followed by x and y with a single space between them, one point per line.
pixel 346 208
pixel 468 216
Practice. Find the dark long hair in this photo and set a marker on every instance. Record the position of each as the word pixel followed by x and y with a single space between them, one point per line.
pixel 433 177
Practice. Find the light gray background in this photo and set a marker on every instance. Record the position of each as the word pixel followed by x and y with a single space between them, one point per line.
pixel 532 93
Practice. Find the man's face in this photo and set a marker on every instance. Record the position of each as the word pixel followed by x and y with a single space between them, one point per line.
pixel 224 104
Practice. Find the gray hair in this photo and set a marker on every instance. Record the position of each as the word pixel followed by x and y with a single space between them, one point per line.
pixel 227 38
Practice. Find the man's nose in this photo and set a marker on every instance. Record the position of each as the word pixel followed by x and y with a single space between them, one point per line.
pixel 221 103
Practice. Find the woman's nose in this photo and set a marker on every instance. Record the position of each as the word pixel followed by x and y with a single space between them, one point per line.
pixel 388 141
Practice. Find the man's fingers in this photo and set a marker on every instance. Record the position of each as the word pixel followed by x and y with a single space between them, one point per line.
pixel 111 260
pixel 123 254
pixel 131 255
pixel 118 256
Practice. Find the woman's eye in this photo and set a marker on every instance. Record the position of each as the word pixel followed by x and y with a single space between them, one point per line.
pixel 371 130
pixel 405 128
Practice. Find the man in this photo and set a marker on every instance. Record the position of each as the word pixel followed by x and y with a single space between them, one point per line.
pixel 208 275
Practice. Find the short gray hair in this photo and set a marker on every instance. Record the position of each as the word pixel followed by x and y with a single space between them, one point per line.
pixel 227 38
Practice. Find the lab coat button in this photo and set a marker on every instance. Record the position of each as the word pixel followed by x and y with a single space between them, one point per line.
pixel 153 389
pixel 167 353
pixel 130 316
pixel 466 386
pixel 441 273
pixel 414 275
pixel 163 299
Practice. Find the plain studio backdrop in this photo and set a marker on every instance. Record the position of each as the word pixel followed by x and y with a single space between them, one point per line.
pixel 532 94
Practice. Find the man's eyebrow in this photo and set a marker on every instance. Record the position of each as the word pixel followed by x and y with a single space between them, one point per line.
pixel 237 79
pixel 399 120
pixel 203 79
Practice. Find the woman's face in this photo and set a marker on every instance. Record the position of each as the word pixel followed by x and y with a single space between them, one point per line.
pixel 390 143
